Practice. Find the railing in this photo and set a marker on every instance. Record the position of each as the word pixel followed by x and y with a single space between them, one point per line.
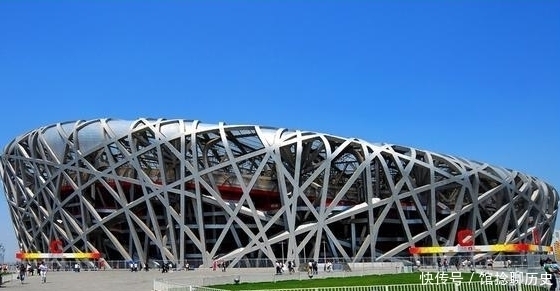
pixel 426 262
pixel 499 279
pixel 465 286
pixel 6 277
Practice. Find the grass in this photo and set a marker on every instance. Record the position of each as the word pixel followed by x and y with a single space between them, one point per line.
pixel 388 279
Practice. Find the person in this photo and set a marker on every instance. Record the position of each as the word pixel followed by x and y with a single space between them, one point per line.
pixel 29 270
pixel 278 268
pixel 43 272
pixel 551 268
pixel 290 267
pixel 22 272
pixel 490 263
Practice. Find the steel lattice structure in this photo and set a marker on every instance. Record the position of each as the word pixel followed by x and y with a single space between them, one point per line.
pixel 176 189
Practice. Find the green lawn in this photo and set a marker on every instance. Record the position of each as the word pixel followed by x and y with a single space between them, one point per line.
pixel 390 279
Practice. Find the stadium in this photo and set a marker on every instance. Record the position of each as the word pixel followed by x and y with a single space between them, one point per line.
pixel 174 190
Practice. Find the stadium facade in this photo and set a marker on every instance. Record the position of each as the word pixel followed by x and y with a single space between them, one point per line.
pixel 181 189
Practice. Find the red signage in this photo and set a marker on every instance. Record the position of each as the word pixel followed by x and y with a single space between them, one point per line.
pixel 55 246
pixel 536 236
pixel 465 237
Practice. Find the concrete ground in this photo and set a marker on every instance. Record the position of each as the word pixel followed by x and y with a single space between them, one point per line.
pixel 152 280
pixel 144 281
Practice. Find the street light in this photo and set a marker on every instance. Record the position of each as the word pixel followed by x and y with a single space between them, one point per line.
pixel 2 250
pixel 282 244
pixel 325 254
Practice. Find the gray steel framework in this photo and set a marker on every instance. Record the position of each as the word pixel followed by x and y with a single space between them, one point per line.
pixel 181 189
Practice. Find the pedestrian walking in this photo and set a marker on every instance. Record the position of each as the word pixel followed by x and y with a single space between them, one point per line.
pixel 43 272
pixel 552 269
pixel 22 272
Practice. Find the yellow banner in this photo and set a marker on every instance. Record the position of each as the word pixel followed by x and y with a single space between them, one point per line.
pixel 36 256
pixel 510 248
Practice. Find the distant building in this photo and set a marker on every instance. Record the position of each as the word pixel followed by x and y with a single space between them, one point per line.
pixel 180 189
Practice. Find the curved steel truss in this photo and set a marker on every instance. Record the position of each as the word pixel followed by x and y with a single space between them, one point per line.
pixel 177 189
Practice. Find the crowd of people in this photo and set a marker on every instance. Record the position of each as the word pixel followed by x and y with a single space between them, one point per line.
pixel 135 267
pixel 27 269
pixel 281 267
pixel 550 267
pixel 312 267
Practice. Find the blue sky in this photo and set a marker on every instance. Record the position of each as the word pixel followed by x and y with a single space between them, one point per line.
pixel 476 79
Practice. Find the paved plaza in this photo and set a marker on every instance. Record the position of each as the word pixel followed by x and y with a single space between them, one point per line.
pixel 144 281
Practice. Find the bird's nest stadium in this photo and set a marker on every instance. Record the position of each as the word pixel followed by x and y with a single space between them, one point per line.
pixel 177 189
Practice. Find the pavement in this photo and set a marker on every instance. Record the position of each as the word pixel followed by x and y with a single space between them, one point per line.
pixel 151 280
pixel 155 280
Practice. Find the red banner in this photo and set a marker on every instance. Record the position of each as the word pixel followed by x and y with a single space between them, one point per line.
pixel 465 237
pixel 536 236
pixel 55 246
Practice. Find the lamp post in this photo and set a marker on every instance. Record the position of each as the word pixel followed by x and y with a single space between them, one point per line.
pixel 2 250
pixel 325 254
pixel 282 244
